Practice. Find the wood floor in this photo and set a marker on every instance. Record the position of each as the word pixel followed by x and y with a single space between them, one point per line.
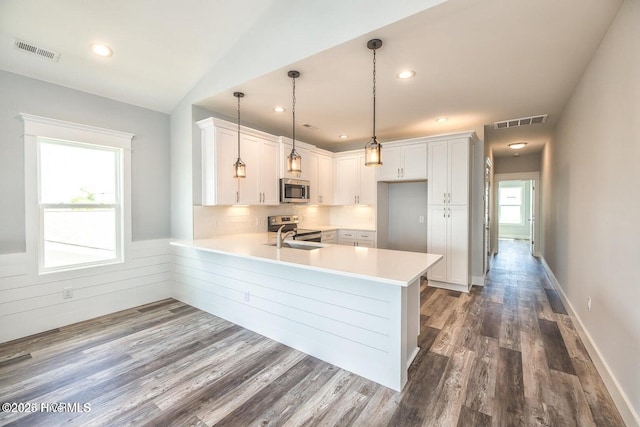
pixel 505 354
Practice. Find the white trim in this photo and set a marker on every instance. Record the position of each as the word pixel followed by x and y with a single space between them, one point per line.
pixel 69 131
pixel 450 286
pixel 618 395
pixel 477 280
pixel 36 127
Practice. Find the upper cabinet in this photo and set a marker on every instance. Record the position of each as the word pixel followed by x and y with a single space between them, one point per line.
pixel 449 172
pixel 355 183
pixel 219 152
pixel 324 184
pixel 404 162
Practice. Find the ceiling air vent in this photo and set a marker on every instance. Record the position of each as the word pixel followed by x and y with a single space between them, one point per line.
pixel 32 48
pixel 310 127
pixel 524 121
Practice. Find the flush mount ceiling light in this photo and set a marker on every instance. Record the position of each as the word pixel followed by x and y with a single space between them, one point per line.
pixel 294 160
pixel 239 168
pixel 441 119
pixel 101 49
pixel 279 109
pixel 517 145
pixel 406 74
pixel 372 150
pixel 343 136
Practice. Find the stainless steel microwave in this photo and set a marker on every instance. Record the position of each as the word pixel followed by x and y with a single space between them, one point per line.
pixel 294 190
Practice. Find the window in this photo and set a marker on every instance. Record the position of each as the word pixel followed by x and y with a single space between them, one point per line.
pixel 510 200
pixel 77 193
pixel 80 204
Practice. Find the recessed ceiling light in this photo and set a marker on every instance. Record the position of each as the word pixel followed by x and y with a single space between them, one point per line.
pixel 441 119
pixel 101 49
pixel 343 136
pixel 278 109
pixel 406 74
pixel 517 145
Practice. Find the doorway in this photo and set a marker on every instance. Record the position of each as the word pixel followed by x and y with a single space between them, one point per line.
pixel 516 209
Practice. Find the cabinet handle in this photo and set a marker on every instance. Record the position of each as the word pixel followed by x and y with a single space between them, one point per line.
pixel 444 197
pixel 449 213
pixel 358 199
pixel 449 197
pixel 398 173
pixel 401 172
pixel 444 213
pixel 237 196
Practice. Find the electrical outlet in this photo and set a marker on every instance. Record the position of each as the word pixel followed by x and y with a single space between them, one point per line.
pixel 421 219
pixel 589 303
pixel 247 296
pixel 67 293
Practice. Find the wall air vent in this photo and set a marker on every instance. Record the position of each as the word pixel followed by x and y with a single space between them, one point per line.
pixel 524 121
pixel 35 50
pixel 310 127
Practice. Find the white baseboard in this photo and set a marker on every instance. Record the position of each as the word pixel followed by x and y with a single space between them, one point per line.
pixel 622 402
pixel 477 280
pixel 450 286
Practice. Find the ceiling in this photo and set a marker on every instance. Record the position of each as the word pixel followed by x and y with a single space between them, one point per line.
pixel 476 62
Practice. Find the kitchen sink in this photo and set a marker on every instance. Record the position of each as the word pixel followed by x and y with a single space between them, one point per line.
pixel 299 245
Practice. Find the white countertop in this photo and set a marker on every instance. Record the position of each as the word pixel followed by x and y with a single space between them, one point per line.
pixel 336 227
pixel 383 265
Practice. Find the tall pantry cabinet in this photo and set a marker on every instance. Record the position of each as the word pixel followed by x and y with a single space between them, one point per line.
pixel 448 220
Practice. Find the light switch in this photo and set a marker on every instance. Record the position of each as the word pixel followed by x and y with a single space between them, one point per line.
pixel 421 219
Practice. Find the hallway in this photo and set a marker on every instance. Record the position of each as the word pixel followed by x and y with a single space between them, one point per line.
pixel 506 354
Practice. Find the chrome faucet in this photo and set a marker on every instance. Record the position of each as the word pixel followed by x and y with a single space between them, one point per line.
pixel 281 237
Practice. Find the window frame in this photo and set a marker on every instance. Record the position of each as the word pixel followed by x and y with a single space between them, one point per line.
pixel 38 129
pixel 520 187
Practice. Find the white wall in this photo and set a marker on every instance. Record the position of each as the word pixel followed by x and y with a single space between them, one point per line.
pixel 30 303
pixel 150 154
pixel 522 163
pixel 591 211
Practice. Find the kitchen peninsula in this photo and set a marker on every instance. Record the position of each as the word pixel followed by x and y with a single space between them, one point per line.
pixel 355 307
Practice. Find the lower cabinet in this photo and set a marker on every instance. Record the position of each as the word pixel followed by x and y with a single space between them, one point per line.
pixel 357 238
pixel 448 235
pixel 329 236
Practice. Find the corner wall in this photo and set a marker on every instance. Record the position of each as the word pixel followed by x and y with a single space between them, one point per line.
pixel 591 212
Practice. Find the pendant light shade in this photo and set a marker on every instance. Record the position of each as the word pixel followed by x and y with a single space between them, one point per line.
pixel 239 168
pixel 373 149
pixel 294 160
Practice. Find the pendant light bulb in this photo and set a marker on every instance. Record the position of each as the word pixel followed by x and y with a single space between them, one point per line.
pixel 239 167
pixel 373 149
pixel 294 160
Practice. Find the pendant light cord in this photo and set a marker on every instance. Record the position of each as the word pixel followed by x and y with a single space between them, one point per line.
pixel 294 113
pixel 374 94
pixel 238 127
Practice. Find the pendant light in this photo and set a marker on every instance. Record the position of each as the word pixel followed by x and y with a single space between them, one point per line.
pixel 373 148
pixel 294 160
pixel 239 168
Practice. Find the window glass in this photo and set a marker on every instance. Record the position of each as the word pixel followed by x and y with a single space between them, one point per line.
pixel 80 211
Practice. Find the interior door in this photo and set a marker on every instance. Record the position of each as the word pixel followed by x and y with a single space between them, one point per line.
pixel 532 219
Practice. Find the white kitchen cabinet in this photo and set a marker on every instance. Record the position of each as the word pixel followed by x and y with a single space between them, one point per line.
pixel 324 183
pixel 404 162
pixel 448 172
pixel 449 211
pixel 260 187
pixel 355 183
pixel 329 236
pixel 448 235
pixel 357 238
pixel 259 151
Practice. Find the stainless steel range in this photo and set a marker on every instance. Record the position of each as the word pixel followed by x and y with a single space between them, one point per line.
pixel 290 222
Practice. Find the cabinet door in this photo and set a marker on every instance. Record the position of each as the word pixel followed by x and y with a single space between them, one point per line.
pixel 226 186
pixel 312 173
pixel 368 185
pixel 250 152
pixel 346 180
pixel 437 241
pixel 269 168
pixel 414 161
pixel 459 171
pixel 391 164
pixel 325 180
pixel 438 172
pixel 458 245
